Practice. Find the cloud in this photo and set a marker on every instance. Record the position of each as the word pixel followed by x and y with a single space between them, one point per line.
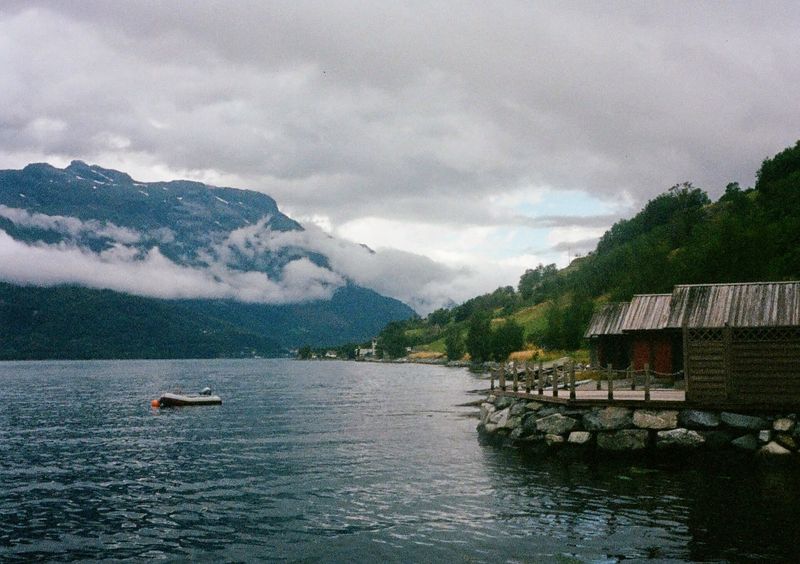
pixel 75 227
pixel 414 279
pixel 423 114
pixel 123 269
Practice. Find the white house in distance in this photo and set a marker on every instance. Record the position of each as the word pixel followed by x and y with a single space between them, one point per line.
pixel 368 352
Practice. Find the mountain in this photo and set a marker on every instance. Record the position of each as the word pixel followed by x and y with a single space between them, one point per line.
pixel 172 269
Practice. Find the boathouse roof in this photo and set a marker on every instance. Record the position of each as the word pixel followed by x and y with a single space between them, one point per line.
pixel 755 304
pixel 607 320
pixel 647 312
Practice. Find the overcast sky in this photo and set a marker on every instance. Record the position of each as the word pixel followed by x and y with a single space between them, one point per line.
pixel 487 137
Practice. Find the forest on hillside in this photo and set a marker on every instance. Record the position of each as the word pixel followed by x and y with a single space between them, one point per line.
pixel 679 237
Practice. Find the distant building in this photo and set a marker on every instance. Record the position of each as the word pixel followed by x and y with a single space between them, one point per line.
pixel 368 352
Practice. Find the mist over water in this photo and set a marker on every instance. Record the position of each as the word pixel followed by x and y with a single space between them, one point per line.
pixel 342 461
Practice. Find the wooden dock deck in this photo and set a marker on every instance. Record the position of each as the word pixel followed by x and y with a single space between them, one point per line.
pixel 659 398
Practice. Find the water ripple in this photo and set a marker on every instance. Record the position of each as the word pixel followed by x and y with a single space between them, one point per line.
pixel 337 462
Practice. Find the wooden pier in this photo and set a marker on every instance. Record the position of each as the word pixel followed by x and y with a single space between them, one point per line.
pixel 557 384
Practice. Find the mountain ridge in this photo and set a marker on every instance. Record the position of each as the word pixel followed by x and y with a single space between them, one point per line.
pixel 199 248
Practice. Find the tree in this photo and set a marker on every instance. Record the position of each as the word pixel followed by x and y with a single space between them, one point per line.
pixel 479 335
pixel 507 338
pixel 439 317
pixel 531 282
pixel 454 343
pixel 392 341
pixel 304 353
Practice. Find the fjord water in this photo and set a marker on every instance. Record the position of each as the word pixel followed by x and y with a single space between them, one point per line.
pixel 339 461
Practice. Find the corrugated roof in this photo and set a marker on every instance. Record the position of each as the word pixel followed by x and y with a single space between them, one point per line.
pixel 758 304
pixel 607 320
pixel 648 312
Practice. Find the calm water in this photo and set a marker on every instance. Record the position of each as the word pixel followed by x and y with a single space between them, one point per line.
pixel 341 462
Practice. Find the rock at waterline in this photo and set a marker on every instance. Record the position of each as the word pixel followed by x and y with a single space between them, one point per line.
pixel 627 439
pixel 696 419
pixel 773 448
pixel 657 420
pixel 500 418
pixel 487 410
pixel 746 442
pixel 556 424
pixel 608 419
pixel 746 422
pixel 683 438
pixel 783 425
pixel 579 438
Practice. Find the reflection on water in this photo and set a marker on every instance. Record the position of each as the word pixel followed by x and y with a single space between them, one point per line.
pixel 342 461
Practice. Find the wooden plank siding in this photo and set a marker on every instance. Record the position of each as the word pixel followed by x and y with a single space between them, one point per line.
pixel 740 369
pixel 705 356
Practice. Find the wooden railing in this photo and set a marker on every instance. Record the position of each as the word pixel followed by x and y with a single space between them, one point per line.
pixel 562 375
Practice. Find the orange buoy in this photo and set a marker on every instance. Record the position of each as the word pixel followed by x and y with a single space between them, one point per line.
pixel 155 403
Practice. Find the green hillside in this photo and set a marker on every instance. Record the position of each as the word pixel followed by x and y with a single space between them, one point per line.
pixel 679 237
pixel 69 322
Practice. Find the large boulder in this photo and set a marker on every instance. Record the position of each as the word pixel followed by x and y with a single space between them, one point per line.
pixel 549 410
pixel 500 418
pixel 534 405
pixel 513 422
pixel 773 448
pixel 552 439
pixel 696 419
pixel 746 422
pixel 486 410
pixel 682 438
pixel 624 440
pixel 745 442
pixel 556 424
pixel 783 425
pixel 579 438
pixel 658 420
pixel 518 408
pixel 607 419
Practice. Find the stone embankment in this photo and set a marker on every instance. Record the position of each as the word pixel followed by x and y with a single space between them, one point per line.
pixel 524 423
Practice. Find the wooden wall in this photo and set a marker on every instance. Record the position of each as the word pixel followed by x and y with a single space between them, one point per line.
pixel 759 367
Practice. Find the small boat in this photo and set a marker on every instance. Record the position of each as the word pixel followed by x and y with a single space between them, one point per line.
pixel 171 399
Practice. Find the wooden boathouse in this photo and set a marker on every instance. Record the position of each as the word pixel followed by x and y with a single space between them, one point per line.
pixel 607 344
pixel 650 341
pixel 736 345
pixel 741 342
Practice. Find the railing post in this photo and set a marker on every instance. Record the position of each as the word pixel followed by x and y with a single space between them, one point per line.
pixel 572 394
pixel 528 378
pixel 554 380
pixel 540 376
pixel 503 378
pixel 647 382
pixel 491 386
pixel 600 378
pixel 632 376
pixel 610 382
pixel 515 386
